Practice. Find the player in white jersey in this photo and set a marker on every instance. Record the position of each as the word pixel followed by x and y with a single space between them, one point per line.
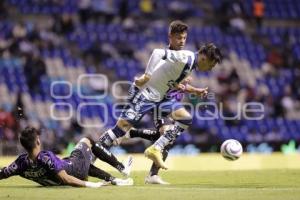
pixel 177 35
pixel 167 73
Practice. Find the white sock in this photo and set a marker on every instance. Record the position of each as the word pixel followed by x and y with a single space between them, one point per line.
pixel 168 137
pixel 107 138
pixel 161 143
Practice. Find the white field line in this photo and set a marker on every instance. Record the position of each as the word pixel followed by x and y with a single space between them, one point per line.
pixel 165 187
pixel 217 189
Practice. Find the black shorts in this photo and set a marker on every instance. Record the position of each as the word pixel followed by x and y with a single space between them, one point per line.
pixel 80 160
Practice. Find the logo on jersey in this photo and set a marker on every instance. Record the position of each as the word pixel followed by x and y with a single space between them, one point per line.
pixel 179 56
pixel 47 160
pixel 171 84
pixel 131 114
pixel 35 173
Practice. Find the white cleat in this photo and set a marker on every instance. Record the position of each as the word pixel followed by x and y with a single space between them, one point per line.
pixel 155 179
pixel 127 166
pixel 122 182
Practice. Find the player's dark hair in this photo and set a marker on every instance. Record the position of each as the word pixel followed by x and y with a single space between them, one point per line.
pixel 178 26
pixel 28 138
pixel 212 52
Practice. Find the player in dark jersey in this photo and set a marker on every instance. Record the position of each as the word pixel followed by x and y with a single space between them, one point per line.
pixel 45 168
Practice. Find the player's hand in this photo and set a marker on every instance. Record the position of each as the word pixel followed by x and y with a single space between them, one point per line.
pixel 187 80
pixel 202 92
pixel 181 87
pixel 93 185
pixel 140 81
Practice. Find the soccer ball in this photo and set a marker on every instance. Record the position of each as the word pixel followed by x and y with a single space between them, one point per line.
pixel 231 149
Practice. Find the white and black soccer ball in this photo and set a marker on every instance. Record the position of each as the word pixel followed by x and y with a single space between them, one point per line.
pixel 231 149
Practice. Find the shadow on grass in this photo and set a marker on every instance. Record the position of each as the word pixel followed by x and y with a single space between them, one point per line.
pixel 32 186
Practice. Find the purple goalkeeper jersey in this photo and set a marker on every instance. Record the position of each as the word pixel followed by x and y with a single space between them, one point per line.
pixel 43 170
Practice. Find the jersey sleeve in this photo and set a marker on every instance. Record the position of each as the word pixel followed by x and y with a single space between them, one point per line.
pixel 156 56
pixel 13 169
pixel 51 162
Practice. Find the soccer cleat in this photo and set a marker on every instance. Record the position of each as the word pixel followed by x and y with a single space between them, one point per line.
pixel 127 166
pixel 155 179
pixel 155 155
pixel 122 182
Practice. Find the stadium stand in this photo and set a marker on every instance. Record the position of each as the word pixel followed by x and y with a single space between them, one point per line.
pixel 56 41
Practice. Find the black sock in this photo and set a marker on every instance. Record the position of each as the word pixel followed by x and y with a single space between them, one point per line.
pixel 147 134
pixel 105 155
pixel 99 173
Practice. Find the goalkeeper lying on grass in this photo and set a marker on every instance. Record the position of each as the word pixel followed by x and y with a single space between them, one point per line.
pixel 45 168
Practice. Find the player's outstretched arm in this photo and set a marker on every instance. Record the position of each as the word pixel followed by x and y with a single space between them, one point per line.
pixel 75 182
pixel 7 172
pixel 202 92
pixel 11 170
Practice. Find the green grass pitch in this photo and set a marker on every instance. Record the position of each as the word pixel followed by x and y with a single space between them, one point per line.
pixel 274 177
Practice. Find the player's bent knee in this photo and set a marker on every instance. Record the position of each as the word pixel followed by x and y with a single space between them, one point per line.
pixel 91 140
pixel 180 114
pixel 185 122
pixel 124 125
pixel 87 141
pixel 164 128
